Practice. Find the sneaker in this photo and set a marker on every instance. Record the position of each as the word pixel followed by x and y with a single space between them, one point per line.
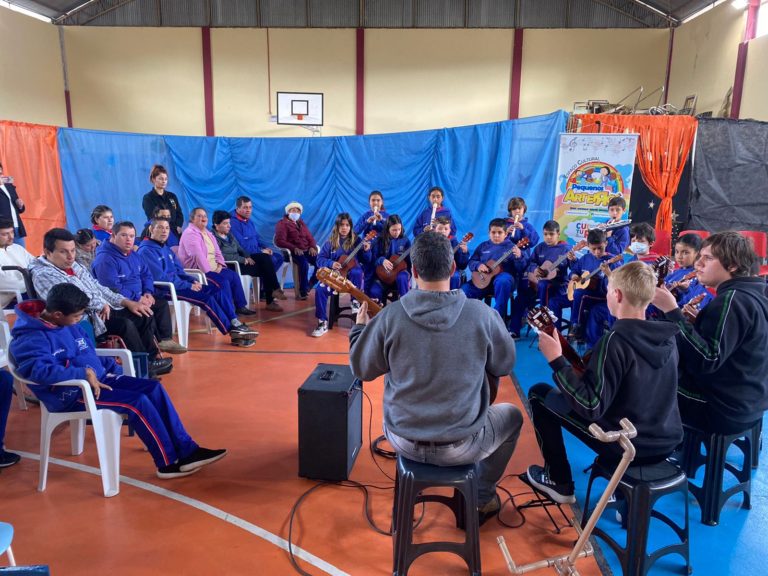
pixel 245 311
pixel 538 478
pixel 322 328
pixel 171 347
pixel 174 471
pixel 242 342
pixel 242 331
pixel 354 305
pixel 302 297
pixel 273 307
pixel 160 366
pixel 8 458
pixel 489 510
pixel 279 295
pixel 201 457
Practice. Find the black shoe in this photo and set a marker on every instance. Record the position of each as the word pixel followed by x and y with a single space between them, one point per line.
pixel 538 478
pixel 8 458
pixel 201 457
pixel 489 510
pixel 244 311
pixel 173 471
pixel 160 366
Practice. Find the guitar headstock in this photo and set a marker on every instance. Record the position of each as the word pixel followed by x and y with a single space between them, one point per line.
pixel 334 280
pixel 523 244
pixel 696 300
pixel 541 318
pixel 579 245
pixel 370 236
pixel 467 237
pixel 662 266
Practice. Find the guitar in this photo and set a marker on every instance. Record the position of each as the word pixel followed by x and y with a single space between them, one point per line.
pixel 588 280
pixel 338 283
pixel 672 286
pixel 467 238
pixel 662 266
pixel 483 279
pixel 691 308
pixel 348 261
pixel 399 264
pixel 542 318
pixel 548 270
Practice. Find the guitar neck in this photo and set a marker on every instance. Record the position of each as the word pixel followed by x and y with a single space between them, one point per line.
pixel 373 307
pixel 355 251
pixel 402 256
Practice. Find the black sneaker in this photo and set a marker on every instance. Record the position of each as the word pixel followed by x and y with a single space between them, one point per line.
pixel 538 478
pixel 201 457
pixel 244 311
pixel 243 331
pixel 173 471
pixel 8 458
pixel 160 366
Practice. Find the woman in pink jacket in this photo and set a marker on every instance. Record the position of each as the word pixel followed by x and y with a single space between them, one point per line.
pixel 198 249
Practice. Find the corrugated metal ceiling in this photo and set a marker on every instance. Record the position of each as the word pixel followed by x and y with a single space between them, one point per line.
pixel 370 13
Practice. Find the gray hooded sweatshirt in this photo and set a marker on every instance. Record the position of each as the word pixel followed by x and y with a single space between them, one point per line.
pixel 437 351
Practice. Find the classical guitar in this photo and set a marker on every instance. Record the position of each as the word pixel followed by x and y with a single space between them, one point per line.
pixel 338 283
pixel 588 280
pixel 399 263
pixel 483 279
pixel 465 240
pixel 548 270
pixel 662 266
pixel 672 286
pixel 542 318
pixel 348 261
pixel 691 308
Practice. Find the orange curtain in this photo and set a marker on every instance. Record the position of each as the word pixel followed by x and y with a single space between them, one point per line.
pixel 663 148
pixel 30 154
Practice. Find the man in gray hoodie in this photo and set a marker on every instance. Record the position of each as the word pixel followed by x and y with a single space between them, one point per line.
pixel 442 355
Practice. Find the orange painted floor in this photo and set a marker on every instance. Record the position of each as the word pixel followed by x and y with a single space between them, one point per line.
pixel 232 517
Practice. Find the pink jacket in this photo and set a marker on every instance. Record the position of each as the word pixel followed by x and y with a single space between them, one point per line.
pixel 192 250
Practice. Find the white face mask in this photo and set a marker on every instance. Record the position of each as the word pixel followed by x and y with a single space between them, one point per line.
pixel 639 247
pixel 294 216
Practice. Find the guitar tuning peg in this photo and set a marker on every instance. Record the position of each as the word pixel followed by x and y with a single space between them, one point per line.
pixel 335 293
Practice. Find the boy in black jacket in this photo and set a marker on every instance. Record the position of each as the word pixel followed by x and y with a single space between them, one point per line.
pixel 632 374
pixel 723 360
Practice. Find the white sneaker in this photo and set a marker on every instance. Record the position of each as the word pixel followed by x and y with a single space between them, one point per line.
pixel 322 328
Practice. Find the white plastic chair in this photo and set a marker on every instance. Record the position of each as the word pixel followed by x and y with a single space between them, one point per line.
pixel 288 263
pixel 17 295
pixel 6 537
pixel 203 279
pixel 251 285
pixel 106 427
pixel 181 312
pixel 5 342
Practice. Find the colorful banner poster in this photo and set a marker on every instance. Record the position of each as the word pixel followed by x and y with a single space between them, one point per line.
pixel 591 169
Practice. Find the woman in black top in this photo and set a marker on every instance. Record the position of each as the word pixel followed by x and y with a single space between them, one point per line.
pixel 160 197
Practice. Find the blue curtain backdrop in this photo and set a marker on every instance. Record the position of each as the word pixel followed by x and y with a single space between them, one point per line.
pixel 479 167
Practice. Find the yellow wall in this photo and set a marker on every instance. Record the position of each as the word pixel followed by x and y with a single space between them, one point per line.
pixel 754 100
pixel 704 57
pixel 313 60
pixel 136 79
pixel 421 79
pixel 31 79
pixel 563 66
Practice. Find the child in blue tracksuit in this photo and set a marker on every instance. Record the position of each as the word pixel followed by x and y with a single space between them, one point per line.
pixel 618 239
pixel 460 250
pixel 391 244
pixel 687 250
pixel 518 226
pixel 585 299
pixel 503 285
pixel 374 218
pixel 435 196
pixel 165 266
pixel 6 394
pixel 49 346
pixel 342 241
pixel 550 293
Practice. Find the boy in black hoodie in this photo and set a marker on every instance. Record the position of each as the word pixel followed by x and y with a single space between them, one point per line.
pixel 724 365
pixel 632 373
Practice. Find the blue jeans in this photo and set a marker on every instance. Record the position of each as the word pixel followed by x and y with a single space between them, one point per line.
pixel 491 447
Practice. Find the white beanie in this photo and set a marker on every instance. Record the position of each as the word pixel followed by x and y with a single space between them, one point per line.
pixel 293 204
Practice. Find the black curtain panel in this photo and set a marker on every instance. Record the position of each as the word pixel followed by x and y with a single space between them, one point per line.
pixel 730 176
pixel 643 205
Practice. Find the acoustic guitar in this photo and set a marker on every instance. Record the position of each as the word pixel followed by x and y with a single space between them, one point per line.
pixel 588 280
pixel 348 261
pixel 541 318
pixel 691 308
pixel 465 240
pixel 662 266
pixel 342 285
pixel 399 263
pixel 483 279
pixel 548 270
pixel 672 286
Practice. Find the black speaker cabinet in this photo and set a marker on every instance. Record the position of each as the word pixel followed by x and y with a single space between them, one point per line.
pixel 330 423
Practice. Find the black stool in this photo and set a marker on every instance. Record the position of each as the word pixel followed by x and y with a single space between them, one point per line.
pixel 757 443
pixel 710 495
pixel 336 312
pixel 412 478
pixel 642 487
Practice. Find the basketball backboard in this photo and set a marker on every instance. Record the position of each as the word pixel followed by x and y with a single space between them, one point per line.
pixel 300 108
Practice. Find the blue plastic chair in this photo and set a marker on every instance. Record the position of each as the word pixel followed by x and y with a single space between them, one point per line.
pixel 6 536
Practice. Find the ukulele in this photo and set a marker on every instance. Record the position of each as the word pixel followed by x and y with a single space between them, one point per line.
pixel 340 284
pixel 662 266
pixel 548 270
pixel 541 318
pixel 588 280
pixel 691 308
pixel 348 261
pixel 672 286
pixel 483 279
